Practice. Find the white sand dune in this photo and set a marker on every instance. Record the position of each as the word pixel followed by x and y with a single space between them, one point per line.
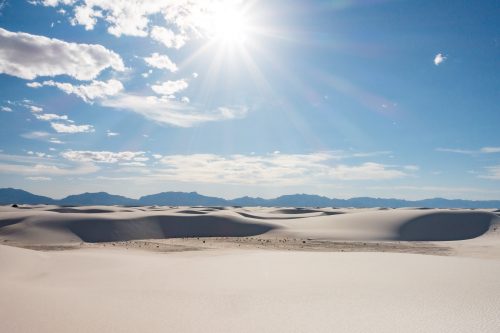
pixel 106 224
pixel 245 291
pixel 306 284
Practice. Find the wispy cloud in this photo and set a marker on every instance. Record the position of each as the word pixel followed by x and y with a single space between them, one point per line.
pixel 447 191
pixel 3 3
pixel 87 92
pixel 34 108
pixel 47 169
pixel 492 172
pixel 41 165
pixel 50 116
pixel 169 88
pixel 104 156
pixel 490 150
pixel 36 135
pixel 39 178
pixel 278 169
pixel 167 111
pixel 53 57
pixel 439 59
pixel 484 150
pixel 72 128
pixel 110 133
pixel 42 136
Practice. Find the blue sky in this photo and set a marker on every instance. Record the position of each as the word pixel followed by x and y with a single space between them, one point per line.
pixel 261 98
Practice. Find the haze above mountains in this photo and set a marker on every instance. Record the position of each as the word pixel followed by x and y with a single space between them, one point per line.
pixel 17 196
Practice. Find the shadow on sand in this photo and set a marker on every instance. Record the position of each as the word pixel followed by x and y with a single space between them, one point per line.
pixel 157 227
pixel 446 226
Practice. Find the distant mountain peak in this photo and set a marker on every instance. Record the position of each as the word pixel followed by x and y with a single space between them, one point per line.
pixel 10 196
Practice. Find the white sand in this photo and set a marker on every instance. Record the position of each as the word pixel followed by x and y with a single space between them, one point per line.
pixel 221 289
pixel 245 291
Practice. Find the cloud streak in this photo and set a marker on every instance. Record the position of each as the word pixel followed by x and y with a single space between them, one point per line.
pixel 276 169
pixel 492 172
pixel 71 128
pixel 483 150
pixel 169 88
pixel 104 156
pixel 164 110
pixel 87 92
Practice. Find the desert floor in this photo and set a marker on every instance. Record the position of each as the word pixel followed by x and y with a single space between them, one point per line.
pixel 236 269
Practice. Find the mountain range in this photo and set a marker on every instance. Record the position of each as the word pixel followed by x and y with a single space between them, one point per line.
pixel 15 196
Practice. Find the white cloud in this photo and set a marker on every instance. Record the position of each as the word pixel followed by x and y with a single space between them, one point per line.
pixel 443 190
pixel 490 150
pixel 484 150
pixel 71 128
pixel 37 135
pixel 366 171
pixel 276 169
pixel 104 156
pixel 85 16
pixel 492 173
pixel 195 75
pixel 3 3
pixel 167 111
pixel 456 151
pixel 185 19
pixel 39 178
pixel 55 141
pixel 133 164
pixel 168 88
pixel 37 167
pixel 34 84
pixel 46 169
pixel 35 109
pixel 55 3
pixel 147 74
pixel 168 37
pixel 88 92
pixel 131 18
pixel 50 116
pixel 67 127
pixel 439 58
pixel 124 17
pixel 185 99
pixel 110 133
pixel 6 109
pixel 161 61
pixel 28 56
pixel 412 167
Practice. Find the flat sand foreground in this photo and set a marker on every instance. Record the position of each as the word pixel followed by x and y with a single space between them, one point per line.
pixel 199 269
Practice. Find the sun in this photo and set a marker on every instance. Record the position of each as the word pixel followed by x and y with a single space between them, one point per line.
pixel 230 25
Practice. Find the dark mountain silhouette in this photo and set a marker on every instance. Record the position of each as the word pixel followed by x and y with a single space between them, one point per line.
pixel 11 196
pixel 15 196
pixel 249 202
pixel 301 200
pixel 99 198
pixel 181 199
